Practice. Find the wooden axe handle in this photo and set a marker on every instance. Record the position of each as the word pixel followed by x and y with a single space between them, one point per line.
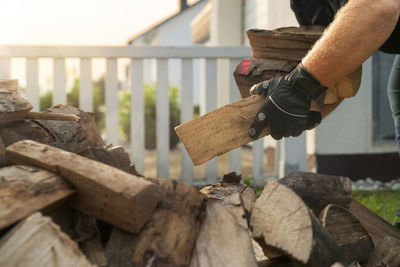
pixel 52 116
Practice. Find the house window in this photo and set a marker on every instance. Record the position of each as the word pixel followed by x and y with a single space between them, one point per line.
pixel 383 128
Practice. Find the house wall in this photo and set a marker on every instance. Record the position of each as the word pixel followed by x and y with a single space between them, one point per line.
pixel 174 32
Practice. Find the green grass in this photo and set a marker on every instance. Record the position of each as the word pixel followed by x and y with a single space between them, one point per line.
pixel 382 202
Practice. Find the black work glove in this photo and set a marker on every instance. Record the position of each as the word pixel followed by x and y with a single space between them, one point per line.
pixel 287 106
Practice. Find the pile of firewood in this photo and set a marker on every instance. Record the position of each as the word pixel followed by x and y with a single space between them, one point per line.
pixel 67 199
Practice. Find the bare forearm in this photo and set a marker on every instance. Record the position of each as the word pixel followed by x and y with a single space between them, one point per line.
pixel 359 29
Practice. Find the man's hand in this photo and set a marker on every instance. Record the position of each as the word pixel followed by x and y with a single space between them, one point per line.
pixel 287 106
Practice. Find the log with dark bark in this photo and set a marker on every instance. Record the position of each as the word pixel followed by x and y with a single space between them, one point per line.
pixel 348 232
pixel 224 239
pixel 120 247
pixel 386 253
pixel 112 156
pixel 112 195
pixel 319 190
pixel 377 227
pixel 170 235
pixel 282 221
pixel 37 241
pixel 25 190
pixel 230 184
pixel 68 135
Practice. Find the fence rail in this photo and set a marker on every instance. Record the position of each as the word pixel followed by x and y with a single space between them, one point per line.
pixel 137 55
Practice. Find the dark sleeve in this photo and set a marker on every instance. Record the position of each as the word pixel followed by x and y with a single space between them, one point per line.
pixel 392 45
pixel 315 12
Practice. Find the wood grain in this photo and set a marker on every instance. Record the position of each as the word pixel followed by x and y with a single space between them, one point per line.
pixel 109 194
pixel 37 241
pixel 221 130
pixel 25 190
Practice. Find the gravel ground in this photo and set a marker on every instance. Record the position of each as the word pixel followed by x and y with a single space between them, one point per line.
pixel 369 184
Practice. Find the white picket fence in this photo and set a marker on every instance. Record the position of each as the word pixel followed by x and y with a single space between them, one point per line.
pixel 296 159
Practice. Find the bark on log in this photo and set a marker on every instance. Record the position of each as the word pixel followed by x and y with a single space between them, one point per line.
pixel 348 232
pixel 112 195
pixel 25 190
pixel 387 253
pixel 119 249
pixel 230 184
pixel 112 156
pixel 319 190
pixel 170 235
pixel 377 227
pixel 36 241
pixel 70 136
pixel 224 239
pixel 281 220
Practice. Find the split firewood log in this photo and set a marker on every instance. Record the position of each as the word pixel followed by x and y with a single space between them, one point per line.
pixel 352 238
pixel 386 253
pixel 170 235
pixel 37 241
pixel 112 195
pixel 230 184
pixel 283 224
pixel 377 227
pixel 224 238
pixel 319 190
pixel 25 190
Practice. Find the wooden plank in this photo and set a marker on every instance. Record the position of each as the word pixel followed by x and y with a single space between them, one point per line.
pixel 111 94
pixel 235 160
pixel 221 130
pixel 211 104
pixel 162 119
pixel 86 85
pixel 377 227
pixel 60 92
pixel 37 241
pixel 109 194
pixel 25 190
pixel 137 114
pixel 32 83
pixel 187 115
pixel 224 238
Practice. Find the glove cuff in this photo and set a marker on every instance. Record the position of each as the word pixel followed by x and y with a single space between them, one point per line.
pixel 306 82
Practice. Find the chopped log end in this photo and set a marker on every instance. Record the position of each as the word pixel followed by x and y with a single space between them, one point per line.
pixel 282 220
pixel 353 239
